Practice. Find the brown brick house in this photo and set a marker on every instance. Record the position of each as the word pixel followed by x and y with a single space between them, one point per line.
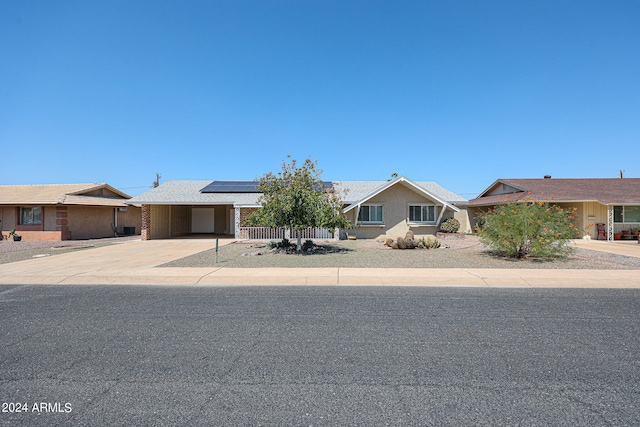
pixel 66 211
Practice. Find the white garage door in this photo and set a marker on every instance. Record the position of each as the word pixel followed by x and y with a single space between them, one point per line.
pixel 202 220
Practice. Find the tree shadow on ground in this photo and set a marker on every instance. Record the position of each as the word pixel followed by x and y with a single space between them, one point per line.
pixel 307 250
pixel 527 259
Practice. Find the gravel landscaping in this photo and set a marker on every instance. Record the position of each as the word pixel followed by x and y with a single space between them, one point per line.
pixel 454 253
pixel 11 251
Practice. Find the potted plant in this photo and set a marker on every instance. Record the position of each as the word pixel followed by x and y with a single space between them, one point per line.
pixel 635 231
pixel 16 237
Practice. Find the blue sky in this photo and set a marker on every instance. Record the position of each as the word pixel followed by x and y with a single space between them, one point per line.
pixel 457 92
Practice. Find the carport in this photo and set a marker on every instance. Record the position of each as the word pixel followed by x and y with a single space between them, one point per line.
pixel 165 221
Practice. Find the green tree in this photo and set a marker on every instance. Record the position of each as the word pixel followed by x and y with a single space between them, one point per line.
pixel 531 228
pixel 296 199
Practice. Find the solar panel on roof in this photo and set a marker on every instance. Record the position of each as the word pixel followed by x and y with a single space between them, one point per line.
pixel 241 187
pixel 232 187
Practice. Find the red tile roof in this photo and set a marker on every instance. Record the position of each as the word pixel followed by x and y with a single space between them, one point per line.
pixel 603 190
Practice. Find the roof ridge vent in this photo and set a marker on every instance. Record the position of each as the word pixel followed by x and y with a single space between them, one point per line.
pixel 547 177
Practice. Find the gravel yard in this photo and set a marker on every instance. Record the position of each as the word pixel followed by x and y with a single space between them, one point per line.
pixel 455 253
pixel 11 251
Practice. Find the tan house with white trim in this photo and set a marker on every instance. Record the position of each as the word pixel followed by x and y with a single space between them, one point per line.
pixel 376 208
pixel 54 212
pixel 391 208
pixel 614 203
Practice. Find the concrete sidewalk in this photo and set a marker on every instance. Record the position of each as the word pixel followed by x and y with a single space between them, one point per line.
pixel 135 263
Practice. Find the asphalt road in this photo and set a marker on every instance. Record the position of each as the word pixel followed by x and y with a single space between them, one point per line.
pixel 135 355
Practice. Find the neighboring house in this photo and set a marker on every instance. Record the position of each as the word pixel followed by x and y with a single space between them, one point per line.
pixel 377 209
pixel 67 211
pixel 614 203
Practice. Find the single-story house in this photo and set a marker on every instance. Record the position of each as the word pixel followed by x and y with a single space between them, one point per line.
pixel 67 211
pixel 376 208
pixel 605 206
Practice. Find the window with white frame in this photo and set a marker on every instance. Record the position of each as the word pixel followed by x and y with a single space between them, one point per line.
pixel 31 216
pixel 422 213
pixel 626 214
pixel 371 214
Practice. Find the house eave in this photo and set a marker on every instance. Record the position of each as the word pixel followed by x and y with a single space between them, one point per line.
pixel 501 181
pixel 405 181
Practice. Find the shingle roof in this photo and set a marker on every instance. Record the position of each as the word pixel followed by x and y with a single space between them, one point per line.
pixel 603 190
pixel 188 192
pixel 353 191
pixel 60 194
pixel 359 192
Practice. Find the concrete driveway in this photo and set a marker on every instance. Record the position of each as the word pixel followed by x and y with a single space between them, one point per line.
pixel 109 264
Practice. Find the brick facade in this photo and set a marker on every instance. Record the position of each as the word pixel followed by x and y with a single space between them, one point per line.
pixel 62 222
pixel 145 233
pixel 244 215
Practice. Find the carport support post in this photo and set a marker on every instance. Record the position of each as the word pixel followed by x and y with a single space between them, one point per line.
pixel 610 220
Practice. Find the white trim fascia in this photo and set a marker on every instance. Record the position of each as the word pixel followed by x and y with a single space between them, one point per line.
pixel 394 182
pixel 239 205
pixel 95 187
pixel 504 182
pixel 441 215
pixel 182 203
pixel 486 190
pixel 548 201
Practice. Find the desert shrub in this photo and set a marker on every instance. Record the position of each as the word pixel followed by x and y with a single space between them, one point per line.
pixel 450 225
pixel 529 228
pixel 480 222
pixel 283 244
pixel 308 244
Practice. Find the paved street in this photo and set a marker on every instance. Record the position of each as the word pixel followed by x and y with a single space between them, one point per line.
pixel 147 355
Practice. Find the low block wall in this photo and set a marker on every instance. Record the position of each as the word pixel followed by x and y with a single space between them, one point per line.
pixel 40 236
